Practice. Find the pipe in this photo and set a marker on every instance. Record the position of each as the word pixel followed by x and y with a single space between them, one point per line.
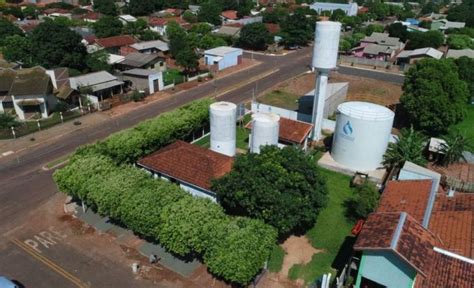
pixel 318 103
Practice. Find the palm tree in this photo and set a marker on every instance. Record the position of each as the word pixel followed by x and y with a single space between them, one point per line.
pixel 454 147
pixel 408 147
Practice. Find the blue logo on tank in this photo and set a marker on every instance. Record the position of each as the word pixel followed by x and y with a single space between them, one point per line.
pixel 347 129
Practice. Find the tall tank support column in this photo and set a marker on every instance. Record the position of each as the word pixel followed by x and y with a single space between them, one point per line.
pixel 318 103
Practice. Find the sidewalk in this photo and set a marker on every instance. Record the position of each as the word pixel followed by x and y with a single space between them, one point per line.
pixel 11 146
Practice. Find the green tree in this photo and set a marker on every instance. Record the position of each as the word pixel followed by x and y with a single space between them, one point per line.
pixel 97 61
pixel 210 41
pixel 177 38
pixel 210 12
pixel 434 97
pixel 366 199
pixel 460 41
pixel 297 29
pixel 452 151
pixel 17 48
pixel 106 7
pixel 141 7
pixel 66 49
pixel 254 36
pixel 378 9
pixel 465 67
pixel 276 16
pixel 418 40
pixel 135 28
pixel 337 15
pixel 7 121
pixel 344 45
pixel 188 59
pixel 409 146
pixel 371 28
pixel 189 17
pixel 107 26
pixel 398 30
pixel 282 187
pixel 148 35
pixel 7 29
pixel 201 28
pixel 462 13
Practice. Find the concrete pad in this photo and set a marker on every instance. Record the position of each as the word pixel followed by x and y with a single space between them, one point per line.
pixel 329 163
pixel 180 266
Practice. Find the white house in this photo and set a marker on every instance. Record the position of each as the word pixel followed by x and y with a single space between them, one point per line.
pixel 144 79
pixel 28 91
pixel 350 8
pixel 153 46
pixel 223 57
pixel 127 19
pixel 190 166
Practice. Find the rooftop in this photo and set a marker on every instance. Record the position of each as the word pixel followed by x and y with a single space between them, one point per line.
pixel 139 59
pixel 433 53
pixel 222 51
pixel 230 14
pixel 115 41
pixel 140 72
pixel 229 31
pixel 188 163
pixel 382 38
pixel 460 53
pixel 33 81
pixel 157 44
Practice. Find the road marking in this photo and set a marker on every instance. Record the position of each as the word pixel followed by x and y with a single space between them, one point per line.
pixel 45 238
pixel 53 266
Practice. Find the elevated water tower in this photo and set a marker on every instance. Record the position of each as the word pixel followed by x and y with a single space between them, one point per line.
pixel 326 47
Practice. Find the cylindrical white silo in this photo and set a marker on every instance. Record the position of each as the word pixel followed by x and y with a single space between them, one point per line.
pixel 361 135
pixel 326 44
pixel 223 125
pixel 265 130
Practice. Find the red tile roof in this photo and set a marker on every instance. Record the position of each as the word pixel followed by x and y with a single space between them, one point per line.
pixel 91 16
pixel 188 163
pixel 155 21
pixel 452 219
pixel 230 14
pixel 116 41
pixel 409 196
pixel 414 244
pixel 291 131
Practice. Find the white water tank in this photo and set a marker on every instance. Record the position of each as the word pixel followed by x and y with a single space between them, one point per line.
pixel 361 135
pixel 326 44
pixel 265 130
pixel 223 125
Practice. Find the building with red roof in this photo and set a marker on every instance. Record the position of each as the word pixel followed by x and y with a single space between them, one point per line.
pixel 114 43
pixel 229 15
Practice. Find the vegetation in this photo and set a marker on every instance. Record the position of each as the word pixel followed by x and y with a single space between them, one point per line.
pixel 452 150
pixel 255 36
pixel 106 7
pixel 431 38
pixel 409 146
pixel 331 231
pixel 434 97
pixel 7 29
pixel 460 41
pixel 242 138
pixel 465 127
pixel 7 121
pixel 107 26
pixel 398 30
pixel 297 29
pixel 462 13
pixel 282 187
pixel 366 200
pixel 210 12
pixel 465 67
pixel 275 262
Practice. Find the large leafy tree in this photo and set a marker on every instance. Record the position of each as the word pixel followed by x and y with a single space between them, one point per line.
pixel 107 26
pixel 283 187
pixel 66 49
pixel 18 48
pixel 255 36
pixel 106 7
pixel 462 13
pixel 460 41
pixel 409 146
pixel 297 29
pixel 188 59
pixel 398 30
pixel 465 70
pixel 434 97
pixel 418 40
pixel 7 28
pixel 177 38
pixel 210 12
pixel 141 7
pixel 97 61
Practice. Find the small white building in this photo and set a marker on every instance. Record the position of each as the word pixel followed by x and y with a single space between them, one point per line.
pixel 223 57
pixel 190 166
pixel 127 19
pixel 350 8
pixel 147 80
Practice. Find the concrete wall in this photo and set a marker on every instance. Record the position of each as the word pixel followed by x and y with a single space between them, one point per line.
pixel 142 83
pixel 229 60
pixel 364 61
pixel 49 101
pixel 385 268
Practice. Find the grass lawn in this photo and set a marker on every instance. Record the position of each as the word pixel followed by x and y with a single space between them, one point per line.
pixel 281 99
pixel 171 76
pixel 242 139
pixel 276 259
pixel 467 125
pixel 330 231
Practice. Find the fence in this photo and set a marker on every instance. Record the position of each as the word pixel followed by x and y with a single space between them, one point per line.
pixel 459 185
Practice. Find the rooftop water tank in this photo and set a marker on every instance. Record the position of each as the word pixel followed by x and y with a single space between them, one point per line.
pixel 361 135
pixel 265 130
pixel 326 44
pixel 223 125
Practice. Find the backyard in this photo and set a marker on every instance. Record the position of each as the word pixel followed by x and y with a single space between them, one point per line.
pixel 466 127
pixel 331 233
pixel 242 135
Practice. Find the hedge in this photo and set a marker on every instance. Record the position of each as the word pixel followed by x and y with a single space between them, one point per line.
pixel 234 248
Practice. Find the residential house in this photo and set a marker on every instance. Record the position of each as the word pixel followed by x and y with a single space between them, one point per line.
pixel 125 19
pixel 350 8
pixel 148 47
pixel 114 43
pixel 194 9
pixel 229 15
pixel 455 54
pixel 229 31
pixel 190 166
pixel 142 61
pixel 412 56
pixel 90 17
pixel 159 24
pixel 418 237
pixel 149 81
pixel 444 24
pixel 27 91
pixel 223 57
pixel 88 36
pixel 378 46
pixel 97 85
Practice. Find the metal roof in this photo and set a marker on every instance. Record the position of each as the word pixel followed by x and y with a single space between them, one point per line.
pixel 140 72
pixel 365 111
pixel 222 51
pixel 460 53
pixel 433 53
pixel 91 79
pixel 157 44
pixel 139 59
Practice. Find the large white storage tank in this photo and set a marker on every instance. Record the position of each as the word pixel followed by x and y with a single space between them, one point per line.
pixel 223 125
pixel 361 135
pixel 326 44
pixel 265 130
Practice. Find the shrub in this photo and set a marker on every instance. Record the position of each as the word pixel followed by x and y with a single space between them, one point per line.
pixel 366 199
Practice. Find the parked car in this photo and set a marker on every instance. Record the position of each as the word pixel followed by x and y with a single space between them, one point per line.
pixel 6 283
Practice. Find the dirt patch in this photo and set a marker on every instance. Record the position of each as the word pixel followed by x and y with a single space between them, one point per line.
pixel 298 251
